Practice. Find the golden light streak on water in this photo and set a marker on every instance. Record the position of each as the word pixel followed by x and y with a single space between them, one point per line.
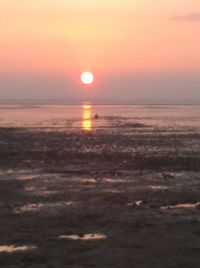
pixel 87 117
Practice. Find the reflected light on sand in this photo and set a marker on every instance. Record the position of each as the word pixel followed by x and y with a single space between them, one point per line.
pixel 158 187
pixel 136 203
pixel 182 206
pixel 84 237
pixel 87 117
pixel 13 248
pixel 43 207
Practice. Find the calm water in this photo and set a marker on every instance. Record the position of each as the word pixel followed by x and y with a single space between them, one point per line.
pixel 82 116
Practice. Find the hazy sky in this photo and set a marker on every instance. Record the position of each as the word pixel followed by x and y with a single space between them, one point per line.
pixel 137 49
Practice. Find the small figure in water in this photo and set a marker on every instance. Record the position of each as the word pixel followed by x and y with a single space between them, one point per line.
pixel 96 116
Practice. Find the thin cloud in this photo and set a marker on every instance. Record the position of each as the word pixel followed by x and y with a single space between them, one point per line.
pixel 195 17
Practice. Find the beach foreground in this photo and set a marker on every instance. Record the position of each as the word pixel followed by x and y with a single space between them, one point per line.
pixel 118 197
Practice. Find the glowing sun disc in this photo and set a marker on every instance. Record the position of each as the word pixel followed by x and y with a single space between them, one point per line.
pixel 87 78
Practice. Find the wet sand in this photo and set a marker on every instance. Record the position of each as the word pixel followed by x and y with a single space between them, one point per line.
pixel 126 196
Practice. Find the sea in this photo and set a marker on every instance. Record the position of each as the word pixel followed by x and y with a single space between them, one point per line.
pixel 89 116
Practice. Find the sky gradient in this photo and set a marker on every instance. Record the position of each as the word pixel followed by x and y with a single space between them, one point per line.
pixel 143 49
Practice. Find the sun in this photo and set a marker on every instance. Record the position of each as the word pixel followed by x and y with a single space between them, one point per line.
pixel 87 78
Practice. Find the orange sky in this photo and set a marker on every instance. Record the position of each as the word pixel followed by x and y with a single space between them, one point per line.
pixel 108 37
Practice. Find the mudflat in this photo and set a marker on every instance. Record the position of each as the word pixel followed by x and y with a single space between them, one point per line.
pixel 128 196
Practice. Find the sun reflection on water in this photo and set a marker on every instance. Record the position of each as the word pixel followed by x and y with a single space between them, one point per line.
pixel 87 117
